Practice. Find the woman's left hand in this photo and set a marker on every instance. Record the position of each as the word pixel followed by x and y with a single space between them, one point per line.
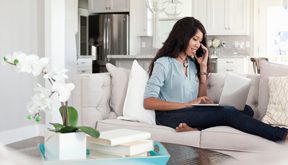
pixel 204 58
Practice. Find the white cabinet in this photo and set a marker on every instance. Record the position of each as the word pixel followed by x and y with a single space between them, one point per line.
pixel 199 11
pixel 105 6
pixel 144 19
pixel 84 65
pixel 233 64
pixel 228 17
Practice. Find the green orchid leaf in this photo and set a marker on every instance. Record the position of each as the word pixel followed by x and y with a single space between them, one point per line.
pixel 90 131
pixel 5 59
pixel 73 116
pixel 68 129
pixel 57 126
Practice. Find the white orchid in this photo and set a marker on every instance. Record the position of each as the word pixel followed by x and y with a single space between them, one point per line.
pixel 63 90
pixel 57 75
pixel 27 63
pixel 209 43
pixel 215 43
pixel 14 58
pixel 41 100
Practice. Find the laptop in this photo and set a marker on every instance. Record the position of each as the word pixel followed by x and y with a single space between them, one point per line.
pixel 234 93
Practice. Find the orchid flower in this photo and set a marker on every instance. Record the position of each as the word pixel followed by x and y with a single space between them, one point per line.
pixel 63 90
pixel 40 100
pixel 57 75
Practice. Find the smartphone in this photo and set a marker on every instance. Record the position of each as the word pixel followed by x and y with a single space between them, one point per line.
pixel 200 52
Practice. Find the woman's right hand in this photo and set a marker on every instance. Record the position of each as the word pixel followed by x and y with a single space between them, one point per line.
pixel 201 100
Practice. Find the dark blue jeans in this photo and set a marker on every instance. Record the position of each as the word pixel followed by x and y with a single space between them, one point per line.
pixel 205 117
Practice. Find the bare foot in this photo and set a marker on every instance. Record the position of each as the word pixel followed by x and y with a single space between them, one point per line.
pixel 183 127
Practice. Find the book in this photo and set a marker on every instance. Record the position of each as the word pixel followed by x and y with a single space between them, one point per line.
pixel 135 148
pixel 119 136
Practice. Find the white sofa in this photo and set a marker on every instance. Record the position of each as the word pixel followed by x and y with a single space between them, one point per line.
pixel 92 96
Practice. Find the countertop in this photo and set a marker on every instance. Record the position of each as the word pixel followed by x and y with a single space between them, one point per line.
pixel 130 56
pixel 152 56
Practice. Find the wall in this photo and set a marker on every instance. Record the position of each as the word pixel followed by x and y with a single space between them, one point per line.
pixel 22 30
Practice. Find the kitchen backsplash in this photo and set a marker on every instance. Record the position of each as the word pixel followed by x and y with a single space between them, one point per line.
pixel 234 45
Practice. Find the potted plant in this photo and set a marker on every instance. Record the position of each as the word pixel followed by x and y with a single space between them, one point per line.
pixel 215 43
pixel 68 130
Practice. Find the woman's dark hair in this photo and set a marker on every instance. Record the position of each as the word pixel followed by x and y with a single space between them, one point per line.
pixel 178 40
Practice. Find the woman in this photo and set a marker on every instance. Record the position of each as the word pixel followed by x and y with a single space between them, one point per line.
pixel 178 80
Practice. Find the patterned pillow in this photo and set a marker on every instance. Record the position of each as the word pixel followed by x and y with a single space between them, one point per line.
pixel 277 109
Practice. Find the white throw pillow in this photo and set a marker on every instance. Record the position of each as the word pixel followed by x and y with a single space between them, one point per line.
pixel 119 79
pixel 133 106
pixel 277 109
pixel 268 69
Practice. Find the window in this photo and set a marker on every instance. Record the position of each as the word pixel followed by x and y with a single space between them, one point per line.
pixel 277 33
pixel 271 31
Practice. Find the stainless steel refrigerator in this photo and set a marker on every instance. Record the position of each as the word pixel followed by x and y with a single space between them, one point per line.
pixel 109 33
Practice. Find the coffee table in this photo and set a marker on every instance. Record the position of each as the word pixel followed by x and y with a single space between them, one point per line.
pixel 179 154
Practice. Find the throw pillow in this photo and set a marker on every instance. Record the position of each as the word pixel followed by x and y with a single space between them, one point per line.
pixel 268 69
pixel 119 79
pixel 277 109
pixel 133 106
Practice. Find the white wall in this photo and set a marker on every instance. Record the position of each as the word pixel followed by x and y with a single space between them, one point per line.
pixel 21 29
pixel 24 26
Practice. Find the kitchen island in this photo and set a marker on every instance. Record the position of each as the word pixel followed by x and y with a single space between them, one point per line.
pixel 125 61
pixel 228 63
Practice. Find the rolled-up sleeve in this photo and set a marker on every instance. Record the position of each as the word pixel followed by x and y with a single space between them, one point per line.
pixel 156 81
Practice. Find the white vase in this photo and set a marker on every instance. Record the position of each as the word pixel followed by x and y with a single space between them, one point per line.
pixel 65 146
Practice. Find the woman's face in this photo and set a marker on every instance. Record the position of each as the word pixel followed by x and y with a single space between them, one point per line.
pixel 194 43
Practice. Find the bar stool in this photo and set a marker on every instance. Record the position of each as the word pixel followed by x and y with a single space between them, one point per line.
pixel 256 63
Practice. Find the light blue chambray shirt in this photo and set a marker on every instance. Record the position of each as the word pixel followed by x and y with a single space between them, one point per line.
pixel 169 83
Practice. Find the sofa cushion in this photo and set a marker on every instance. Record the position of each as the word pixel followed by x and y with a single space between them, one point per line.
pixel 268 69
pixel 227 138
pixel 277 109
pixel 159 133
pixel 91 98
pixel 133 108
pixel 119 80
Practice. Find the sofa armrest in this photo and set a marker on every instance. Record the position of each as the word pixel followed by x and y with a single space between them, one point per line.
pixel 91 98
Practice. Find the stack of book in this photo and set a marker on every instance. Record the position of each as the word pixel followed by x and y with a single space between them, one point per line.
pixel 121 142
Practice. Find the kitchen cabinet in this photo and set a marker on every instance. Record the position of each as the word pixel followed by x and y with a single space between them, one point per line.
pixel 199 11
pixel 144 21
pixel 232 64
pixel 84 65
pixel 105 6
pixel 228 17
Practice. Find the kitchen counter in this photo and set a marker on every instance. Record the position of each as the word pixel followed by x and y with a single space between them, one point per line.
pixel 130 56
pixel 152 56
pixel 125 61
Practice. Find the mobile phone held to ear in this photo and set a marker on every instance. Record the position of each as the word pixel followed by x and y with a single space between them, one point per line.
pixel 200 52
